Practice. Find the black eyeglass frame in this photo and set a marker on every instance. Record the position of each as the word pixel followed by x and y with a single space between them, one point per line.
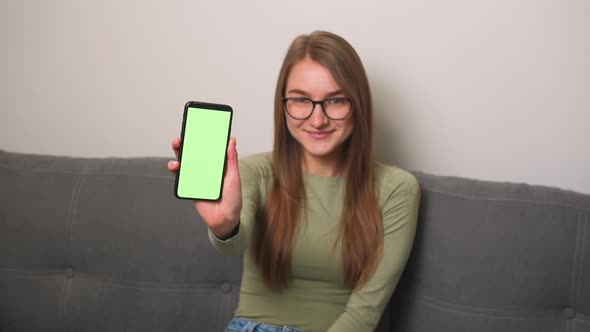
pixel 317 102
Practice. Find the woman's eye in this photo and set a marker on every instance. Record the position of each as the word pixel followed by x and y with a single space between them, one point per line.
pixel 337 101
pixel 300 100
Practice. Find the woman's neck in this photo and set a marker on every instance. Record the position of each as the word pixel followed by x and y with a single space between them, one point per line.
pixel 331 165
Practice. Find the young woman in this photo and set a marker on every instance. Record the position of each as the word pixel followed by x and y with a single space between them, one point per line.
pixel 325 229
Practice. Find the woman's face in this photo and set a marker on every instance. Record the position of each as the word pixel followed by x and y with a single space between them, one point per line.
pixel 321 137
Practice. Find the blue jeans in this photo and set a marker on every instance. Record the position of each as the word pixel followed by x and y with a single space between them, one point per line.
pixel 245 325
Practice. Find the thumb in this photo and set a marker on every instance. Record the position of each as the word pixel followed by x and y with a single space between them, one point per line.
pixel 232 157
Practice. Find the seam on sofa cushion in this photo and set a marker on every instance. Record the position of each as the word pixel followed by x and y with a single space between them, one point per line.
pixel 582 318
pixel 67 284
pixel 576 264
pixel 143 285
pixel 581 237
pixel 26 273
pixel 72 212
pixel 497 199
pixel 89 173
pixel 31 273
pixel 151 284
pixel 486 312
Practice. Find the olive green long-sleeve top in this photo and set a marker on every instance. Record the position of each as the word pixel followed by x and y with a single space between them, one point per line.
pixel 317 299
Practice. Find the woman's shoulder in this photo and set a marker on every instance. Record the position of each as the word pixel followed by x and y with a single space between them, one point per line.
pixel 256 165
pixel 392 179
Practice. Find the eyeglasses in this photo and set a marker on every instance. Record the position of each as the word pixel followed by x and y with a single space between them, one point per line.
pixel 301 108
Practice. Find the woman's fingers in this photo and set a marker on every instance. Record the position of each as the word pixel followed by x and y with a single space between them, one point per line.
pixel 176 147
pixel 173 165
pixel 232 156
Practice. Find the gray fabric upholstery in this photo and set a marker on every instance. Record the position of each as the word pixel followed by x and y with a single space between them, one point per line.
pixel 103 245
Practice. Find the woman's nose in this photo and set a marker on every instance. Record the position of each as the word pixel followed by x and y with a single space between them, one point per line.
pixel 318 118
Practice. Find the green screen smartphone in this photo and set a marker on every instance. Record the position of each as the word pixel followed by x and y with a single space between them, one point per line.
pixel 205 136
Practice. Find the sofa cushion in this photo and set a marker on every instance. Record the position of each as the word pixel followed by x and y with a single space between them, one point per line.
pixel 103 245
pixel 495 256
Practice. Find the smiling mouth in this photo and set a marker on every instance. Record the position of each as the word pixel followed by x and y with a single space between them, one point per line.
pixel 319 134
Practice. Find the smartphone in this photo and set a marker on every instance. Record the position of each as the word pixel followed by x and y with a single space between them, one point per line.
pixel 205 135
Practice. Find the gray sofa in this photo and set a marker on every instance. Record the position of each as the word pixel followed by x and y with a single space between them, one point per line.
pixel 103 245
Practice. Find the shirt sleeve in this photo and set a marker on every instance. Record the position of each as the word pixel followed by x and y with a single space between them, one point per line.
pixel 399 214
pixel 237 244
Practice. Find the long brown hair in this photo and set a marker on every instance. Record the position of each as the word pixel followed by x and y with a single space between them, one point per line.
pixel 361 231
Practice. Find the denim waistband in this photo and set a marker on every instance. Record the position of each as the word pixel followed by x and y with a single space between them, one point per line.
pixel 245 325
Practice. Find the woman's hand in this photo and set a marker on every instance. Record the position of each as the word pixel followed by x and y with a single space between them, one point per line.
pixel 221 216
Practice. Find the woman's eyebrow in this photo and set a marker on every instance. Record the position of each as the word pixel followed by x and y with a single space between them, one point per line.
pixel 301 92
pixel 334 93
pixel 298 91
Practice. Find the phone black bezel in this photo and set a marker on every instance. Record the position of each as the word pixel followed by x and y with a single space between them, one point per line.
pixel 213 107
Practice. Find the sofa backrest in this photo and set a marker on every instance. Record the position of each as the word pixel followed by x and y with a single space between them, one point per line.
pixel 492 256
pixel 103 245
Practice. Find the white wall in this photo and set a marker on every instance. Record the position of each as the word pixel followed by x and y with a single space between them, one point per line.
pixel 496 90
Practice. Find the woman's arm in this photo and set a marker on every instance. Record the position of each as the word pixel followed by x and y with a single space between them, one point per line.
pixel 239 240
pixel 399 213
